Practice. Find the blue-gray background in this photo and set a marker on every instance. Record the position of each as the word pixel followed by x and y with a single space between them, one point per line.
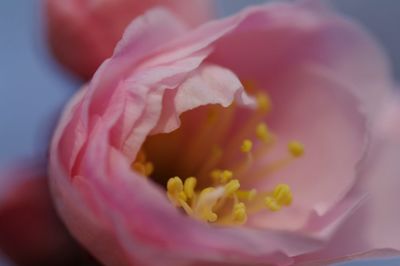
pixel 33 88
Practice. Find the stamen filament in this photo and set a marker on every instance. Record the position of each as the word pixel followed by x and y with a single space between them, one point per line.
pixel 216 155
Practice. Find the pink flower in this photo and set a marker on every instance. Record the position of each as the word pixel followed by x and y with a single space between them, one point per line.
pixel 30 231
pixel 251 140
pixel 83 33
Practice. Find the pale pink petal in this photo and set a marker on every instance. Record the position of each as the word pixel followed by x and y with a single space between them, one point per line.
pixel 209 84
pixel 320 113
pixel 280 35
pixel 387 124
pixel 375 224
pixel 383 181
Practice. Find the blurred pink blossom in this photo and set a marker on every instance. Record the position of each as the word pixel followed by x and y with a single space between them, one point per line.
pixel 83 33
pixel 30 231
pixel 232 94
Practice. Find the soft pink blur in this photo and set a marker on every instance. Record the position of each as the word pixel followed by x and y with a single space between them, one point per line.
pixel 83 33
pixel 30 231
pixel 328 81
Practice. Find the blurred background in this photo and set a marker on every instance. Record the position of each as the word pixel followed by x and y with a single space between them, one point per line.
pixel 33 87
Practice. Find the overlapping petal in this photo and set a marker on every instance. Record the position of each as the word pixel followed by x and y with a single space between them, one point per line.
pixel 82 33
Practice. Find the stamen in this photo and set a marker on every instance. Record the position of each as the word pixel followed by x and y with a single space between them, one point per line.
pixel 247 145
pixel 149 168
pixel 262 132
pixel 244 166
pixel 139 167
pixel 221 177
pixel 174 185
pixel 263 107
pixel 281 196
pixel 296 148
pixel 263 102
pixel 239 213
pixel 175 191
pixel 246 195
pixel 189 186
pixel 219 132
pixel 142 166
pixel 231 187
pixel 207 199
pixel 196 150
pixel 271 204
pixel 216 155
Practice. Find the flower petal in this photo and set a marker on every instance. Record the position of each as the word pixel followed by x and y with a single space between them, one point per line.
pixel 281 34
pixel 209 84
pixel 375 224
pixel 322 114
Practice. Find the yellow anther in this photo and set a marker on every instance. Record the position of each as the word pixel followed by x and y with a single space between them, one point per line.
pixel 296 148
pixel 225 176
pixel 263 102
pixel 231 187
pixel 210 216
pixel 246 194
pixel 239 213
pixel 149 168
pixel 174 185
pixel 271 204
pixel 139 167
pixel 175 191
pixel 282 194
pixel 262 132
pixel 189 186
pixel 247 145
pixel 181 196
pixel 222 177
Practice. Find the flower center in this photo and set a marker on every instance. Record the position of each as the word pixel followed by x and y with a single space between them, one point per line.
pixel 210 162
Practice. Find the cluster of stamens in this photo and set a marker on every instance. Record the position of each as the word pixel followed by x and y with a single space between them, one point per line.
pixel 225 202
pixel 141 165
